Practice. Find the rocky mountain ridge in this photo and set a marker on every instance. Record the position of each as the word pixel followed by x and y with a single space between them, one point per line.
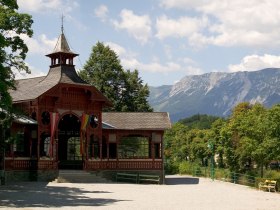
pixel 216 93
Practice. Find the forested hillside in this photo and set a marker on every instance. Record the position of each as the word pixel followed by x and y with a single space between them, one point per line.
pixel 247 141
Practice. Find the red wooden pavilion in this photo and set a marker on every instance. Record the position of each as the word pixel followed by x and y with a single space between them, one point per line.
pixel 63 127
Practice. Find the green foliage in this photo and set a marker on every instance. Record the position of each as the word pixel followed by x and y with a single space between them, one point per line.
pixel 123 88
pixel 135 93
pixel 12 47
pixel 185 167
pixel 199 121
pixel 133 147
pixel 247 141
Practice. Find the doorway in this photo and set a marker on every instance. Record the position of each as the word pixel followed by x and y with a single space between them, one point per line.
pixel 69 156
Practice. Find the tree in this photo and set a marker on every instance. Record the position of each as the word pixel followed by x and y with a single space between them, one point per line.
pixel 12 48
pixel 218 140
pixel 176 142
pixel 135 93
pixel 124 88
pixel 12 54
pixel 273 119
pixel 199 121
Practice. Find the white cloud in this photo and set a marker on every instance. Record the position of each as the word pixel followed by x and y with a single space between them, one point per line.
pixel 129 61
pixel 256 62
pixel 23 75
pixel 188 61
pixel 41 45
pixel 101 12
pixel 251 23
pixel 119 50
pixel 182 3
pixel 182 27
pixel 192 70
pixel 47 5
pixel 139 27
pixel 164 68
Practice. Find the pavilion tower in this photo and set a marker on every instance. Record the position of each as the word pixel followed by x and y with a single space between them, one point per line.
pixel 62 55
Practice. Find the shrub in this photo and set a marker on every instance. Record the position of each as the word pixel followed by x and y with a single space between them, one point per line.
pixel 185 167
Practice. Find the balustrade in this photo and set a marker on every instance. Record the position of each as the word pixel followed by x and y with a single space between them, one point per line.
pixel 27 164
pixel 124 164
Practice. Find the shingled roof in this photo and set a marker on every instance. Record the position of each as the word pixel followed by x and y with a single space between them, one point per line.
pixel 136 120
pixel 60 72
pixel 62 46
pixel 29 89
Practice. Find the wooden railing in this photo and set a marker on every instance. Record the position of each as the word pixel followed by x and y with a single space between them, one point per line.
pixel 123 165
pixel 139 164
pixel 29 164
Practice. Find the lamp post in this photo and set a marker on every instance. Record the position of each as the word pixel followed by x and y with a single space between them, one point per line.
pixel 212 168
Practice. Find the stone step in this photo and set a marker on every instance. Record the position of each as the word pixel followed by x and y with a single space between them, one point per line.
pixel 79 176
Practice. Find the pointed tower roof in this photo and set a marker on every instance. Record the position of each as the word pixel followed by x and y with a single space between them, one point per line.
pixel 62 47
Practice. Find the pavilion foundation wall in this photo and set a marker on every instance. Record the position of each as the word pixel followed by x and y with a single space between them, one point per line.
pixel 30 175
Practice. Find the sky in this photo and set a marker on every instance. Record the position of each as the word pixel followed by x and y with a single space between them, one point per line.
pixel 164 40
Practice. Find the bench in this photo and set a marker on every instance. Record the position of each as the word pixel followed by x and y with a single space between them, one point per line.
pixel 127 177
pixel 148 178
pixel 269 185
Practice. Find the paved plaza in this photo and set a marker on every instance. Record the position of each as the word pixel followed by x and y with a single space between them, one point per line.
pixel 180 192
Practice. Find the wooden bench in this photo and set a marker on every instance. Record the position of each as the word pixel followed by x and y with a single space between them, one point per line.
pixel 269 185
pixel 127 177
pixel 149 178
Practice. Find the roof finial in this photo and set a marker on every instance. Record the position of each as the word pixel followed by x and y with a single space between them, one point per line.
pixel 62 16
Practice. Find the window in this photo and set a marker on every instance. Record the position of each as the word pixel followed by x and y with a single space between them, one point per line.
pixel 45 118
pixel 93 121
pixel 45 145
pixel 21 145
pixel 157 149
pixel 73 149
pixel 94 148
pixel 134 147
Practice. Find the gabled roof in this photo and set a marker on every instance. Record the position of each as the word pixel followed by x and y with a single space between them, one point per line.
pixel 29 89
pixel 136 120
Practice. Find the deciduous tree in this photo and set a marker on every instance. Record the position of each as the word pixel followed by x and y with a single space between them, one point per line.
pixel 12 47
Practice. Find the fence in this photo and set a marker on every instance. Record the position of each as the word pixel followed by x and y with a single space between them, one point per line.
pixel 227 176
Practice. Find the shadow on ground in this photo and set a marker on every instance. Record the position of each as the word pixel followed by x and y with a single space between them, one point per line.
pixel 38 194
pixel 169 180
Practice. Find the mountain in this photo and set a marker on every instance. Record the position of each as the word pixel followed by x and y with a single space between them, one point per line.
pixel 216 93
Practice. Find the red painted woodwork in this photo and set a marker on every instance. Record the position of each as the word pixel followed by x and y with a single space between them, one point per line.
pixel 124 165
pixel 27 164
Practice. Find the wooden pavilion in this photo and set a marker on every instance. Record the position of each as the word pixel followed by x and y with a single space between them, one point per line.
pixel 63 127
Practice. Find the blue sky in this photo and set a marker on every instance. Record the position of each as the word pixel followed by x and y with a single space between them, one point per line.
pixel 164 39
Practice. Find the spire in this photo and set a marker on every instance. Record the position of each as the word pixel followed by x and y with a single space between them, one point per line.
pixel 62 16
pixel 62 53
pixel 62 45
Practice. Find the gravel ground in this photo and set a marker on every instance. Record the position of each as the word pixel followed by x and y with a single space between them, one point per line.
pixel 180 192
